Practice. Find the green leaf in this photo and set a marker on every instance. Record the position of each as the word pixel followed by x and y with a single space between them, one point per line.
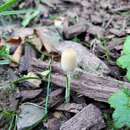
pixel 45 73
pixel 128 73
pixel 126 48
pixel 121 117
pixel 123 61
pixel 4 51
pixel 4 62
pixel 7 5
pixel 120 101
pixel 76 39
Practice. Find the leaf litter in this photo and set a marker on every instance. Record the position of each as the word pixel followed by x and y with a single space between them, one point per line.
pixel 26 52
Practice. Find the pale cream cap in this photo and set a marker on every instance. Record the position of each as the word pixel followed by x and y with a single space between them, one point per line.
pixel 69 60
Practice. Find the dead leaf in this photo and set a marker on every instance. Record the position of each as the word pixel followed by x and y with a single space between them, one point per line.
pixel 14 40
pixel 17 55
pixel 49 38
pixel 30 115
pixel 35 82
pixel 35 41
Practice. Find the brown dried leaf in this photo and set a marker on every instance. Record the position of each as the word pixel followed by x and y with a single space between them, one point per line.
pixel 15 40
pixel 35 82
pixel 17 55
pixel 35 41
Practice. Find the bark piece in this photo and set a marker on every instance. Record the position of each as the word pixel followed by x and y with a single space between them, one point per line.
pixel 117 32
pixel 99 88
pixel 96 31
pixel 73 1
pixel 55 98
pixel 26 59
pixel 94 86
pixel 122 8
pixel 29 94
pixel 53 124
pixel 49 38
pixel 75 30
pixel 96 19
pixel 89 118
pixel 70 107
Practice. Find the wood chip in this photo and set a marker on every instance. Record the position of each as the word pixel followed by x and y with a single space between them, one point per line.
pixel 53 124
pixel 96 30
pixel 89 118
pixel 25 62
pixel 28 94
pixel 49 38
pixel 70 107
pixel 75 30
pixel 90 85
pixel 17 55
pixel 117 32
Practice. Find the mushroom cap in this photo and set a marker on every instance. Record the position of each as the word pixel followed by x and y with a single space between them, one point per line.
pixel 69 60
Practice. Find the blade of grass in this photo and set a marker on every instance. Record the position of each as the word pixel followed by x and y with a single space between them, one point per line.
pixel 15 12
pixel 4 62
pixel 12 123
pixel 29 17
pixel 7 5
pixel 48 88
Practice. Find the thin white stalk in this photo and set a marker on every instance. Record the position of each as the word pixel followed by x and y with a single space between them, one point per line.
pixel 68 88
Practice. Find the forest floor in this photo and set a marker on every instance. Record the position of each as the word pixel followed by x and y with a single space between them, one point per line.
pixel 33 35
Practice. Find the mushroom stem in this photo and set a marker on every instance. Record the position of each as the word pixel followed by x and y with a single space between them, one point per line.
pixel 68 88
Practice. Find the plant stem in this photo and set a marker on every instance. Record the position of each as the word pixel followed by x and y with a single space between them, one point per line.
pixel 24 79
pixel 48 87
pixel 12 123
pixel 68 88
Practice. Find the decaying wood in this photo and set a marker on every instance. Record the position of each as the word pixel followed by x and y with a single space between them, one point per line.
pixel 75 30
pixel 73 1
pixel 89 118
pixel 53 124
pixel 99 88
pixel 28 94
pixel 122 8
pixel 49 38
pixel 55 97
pixel 70 107
pixel 85 59
pixel 26 59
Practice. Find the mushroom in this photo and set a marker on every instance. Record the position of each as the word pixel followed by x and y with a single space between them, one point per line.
pixel 68 64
